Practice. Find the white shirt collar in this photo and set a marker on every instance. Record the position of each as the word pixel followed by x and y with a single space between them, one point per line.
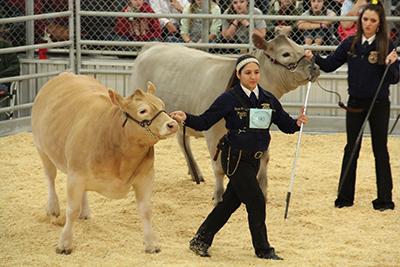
pixel 248 91
pixel 370 39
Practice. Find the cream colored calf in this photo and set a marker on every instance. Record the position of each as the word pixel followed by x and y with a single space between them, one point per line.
pixel 102 141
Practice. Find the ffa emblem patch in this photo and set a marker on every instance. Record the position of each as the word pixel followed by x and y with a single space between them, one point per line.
pixel 265 105
pixel 373 57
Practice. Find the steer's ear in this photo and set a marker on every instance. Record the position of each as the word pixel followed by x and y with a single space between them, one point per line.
pixel 116 99
pixel 259 42
pixel 151 88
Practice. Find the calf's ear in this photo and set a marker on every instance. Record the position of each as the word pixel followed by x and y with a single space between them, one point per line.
pixel 115 98
pixel 151 88
pixel 259 42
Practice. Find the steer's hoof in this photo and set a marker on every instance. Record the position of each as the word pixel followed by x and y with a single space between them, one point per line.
pixel 65 251
pixel 53 213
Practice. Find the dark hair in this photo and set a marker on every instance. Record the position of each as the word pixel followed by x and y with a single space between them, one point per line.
pixel 382 40
pixel 234 79
pixel 324 10
pixel 232 11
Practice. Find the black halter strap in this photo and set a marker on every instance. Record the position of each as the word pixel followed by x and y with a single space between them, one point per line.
pixel 143 123
pixel 291 67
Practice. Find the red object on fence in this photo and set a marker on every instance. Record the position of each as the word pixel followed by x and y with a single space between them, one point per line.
pixel 42 53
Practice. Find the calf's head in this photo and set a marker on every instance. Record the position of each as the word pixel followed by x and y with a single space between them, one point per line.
pixel 145 113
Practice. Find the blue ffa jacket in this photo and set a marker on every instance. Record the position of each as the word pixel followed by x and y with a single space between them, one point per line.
pixel 230 107
pixel 364 73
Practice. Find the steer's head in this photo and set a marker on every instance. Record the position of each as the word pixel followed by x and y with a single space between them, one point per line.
pixel 284 64
pixel 144 113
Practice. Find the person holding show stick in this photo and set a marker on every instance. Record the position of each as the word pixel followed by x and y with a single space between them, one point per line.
pixel 248 111
pixel 372 66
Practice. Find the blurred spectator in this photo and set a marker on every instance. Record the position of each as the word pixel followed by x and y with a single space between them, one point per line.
pixel 57 28
pixel 170 26
pixel 191 29
pixel 350 8
pixel 336 6
pixel 287 27
pixel 262 5
pixel 138 29
pixel 237 30
pixel 315 32
pixel 9 66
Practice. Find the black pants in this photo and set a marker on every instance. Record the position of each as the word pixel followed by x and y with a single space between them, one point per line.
pixel 242 188
pixel 378 122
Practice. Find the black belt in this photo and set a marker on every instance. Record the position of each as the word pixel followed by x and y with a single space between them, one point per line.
pixel 246 130
pixel 247 154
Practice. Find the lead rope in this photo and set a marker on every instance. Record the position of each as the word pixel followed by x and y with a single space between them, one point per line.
pixel 228 161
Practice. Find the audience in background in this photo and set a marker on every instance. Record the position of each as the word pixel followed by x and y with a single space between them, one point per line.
pixel 287 27
pixel 169 26
pixel 316 32
pixel 237 30
pixel 191 28
pixel 57 28
pixel 138 29
pixel 350 8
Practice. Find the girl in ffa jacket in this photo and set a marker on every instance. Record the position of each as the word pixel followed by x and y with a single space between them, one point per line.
pixel 367 55
pixel 248 111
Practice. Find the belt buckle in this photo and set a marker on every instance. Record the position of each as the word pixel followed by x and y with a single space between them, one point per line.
pixel 258 154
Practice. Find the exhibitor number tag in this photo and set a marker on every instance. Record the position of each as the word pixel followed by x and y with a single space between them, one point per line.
pixel 260 118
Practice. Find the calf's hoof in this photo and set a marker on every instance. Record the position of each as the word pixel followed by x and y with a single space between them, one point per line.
pixel 53 208
pixel 85 214
pixel 65 251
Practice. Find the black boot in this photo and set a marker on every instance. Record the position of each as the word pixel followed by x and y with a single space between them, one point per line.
pixel 339 203
pixel 268 254
pixel 382 205
pixel 199 247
